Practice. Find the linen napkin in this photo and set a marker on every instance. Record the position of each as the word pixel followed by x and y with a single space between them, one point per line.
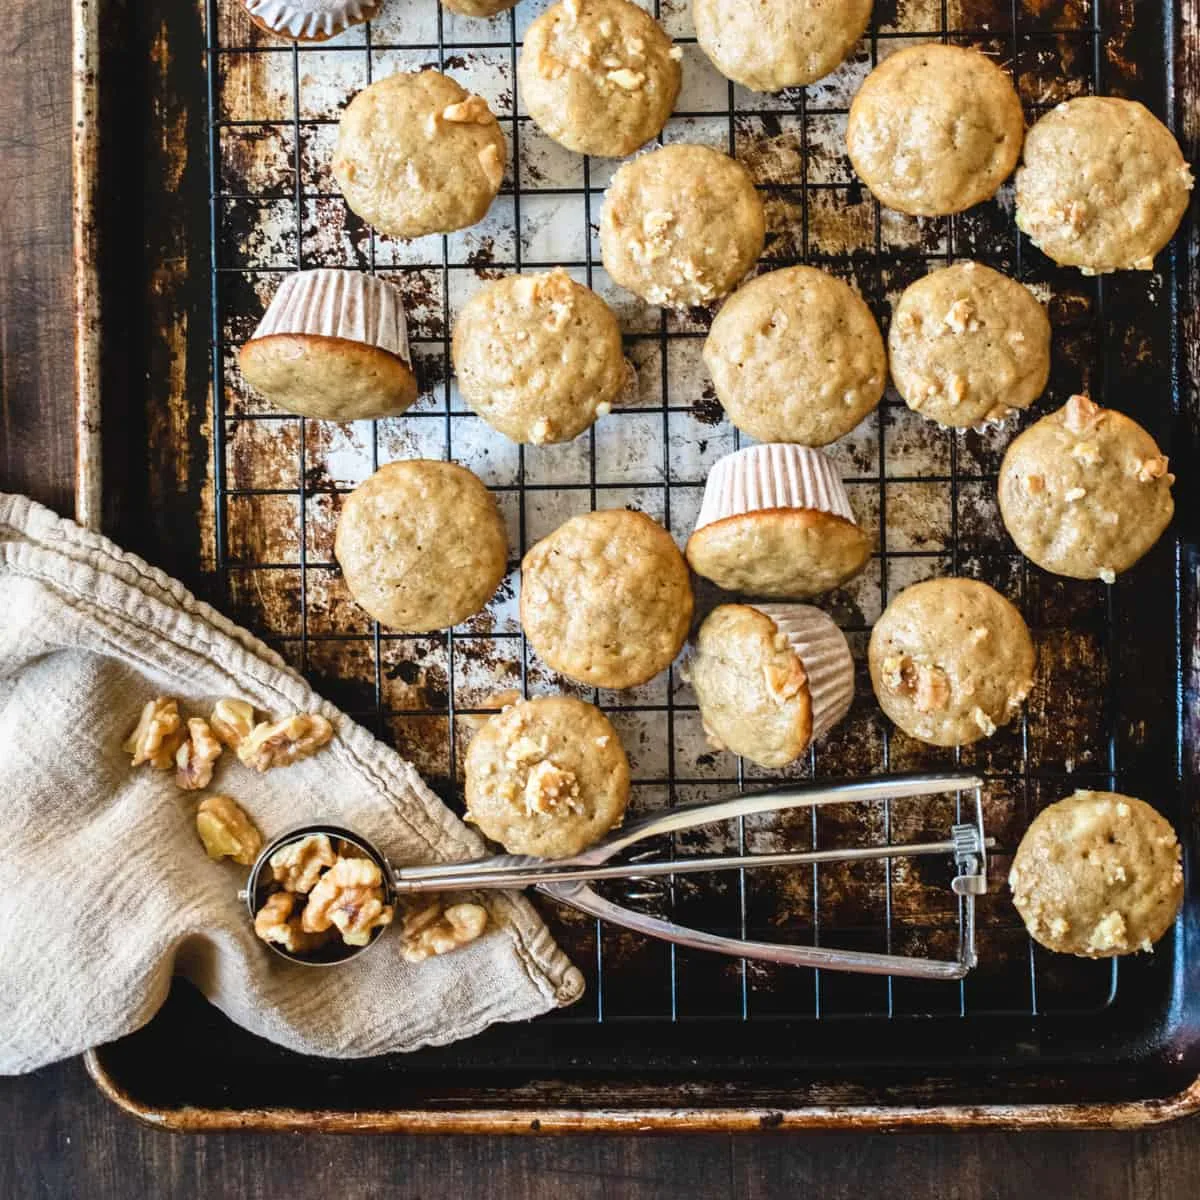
pixel 105 889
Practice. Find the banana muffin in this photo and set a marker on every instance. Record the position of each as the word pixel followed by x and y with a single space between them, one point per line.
pixel 775 44
pixel 421 545
pixel 310 20
pixel 776 521
pixel 417 153
pixel 951 660
pixel 796 356
pixel 334 345
pixel 1103 186
pixel 1085 491
pixel 538 357
pixel 599 76
pixel 606 598
pixel 968 345
pixel 478 8
pixel 771 679
pixel 546 777
pixel 681 225
pixel 935 129
pixel 1098 874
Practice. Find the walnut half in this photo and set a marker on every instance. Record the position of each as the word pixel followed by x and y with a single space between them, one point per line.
pixel 284 742
pixel 157 735
pixel 195 757
pixel 350 896
pixel 232 720
pixel 275 922
pixel 430 931
pixel 226 831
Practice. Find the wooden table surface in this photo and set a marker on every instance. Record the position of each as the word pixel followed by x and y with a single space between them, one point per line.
pixel 58 1137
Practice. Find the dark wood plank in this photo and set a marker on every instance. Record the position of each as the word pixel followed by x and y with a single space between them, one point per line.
pixel 36 370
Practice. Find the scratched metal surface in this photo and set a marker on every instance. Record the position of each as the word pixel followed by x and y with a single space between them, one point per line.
pixel 1103 710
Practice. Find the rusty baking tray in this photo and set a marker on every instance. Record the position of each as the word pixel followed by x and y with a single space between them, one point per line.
pixel 201 176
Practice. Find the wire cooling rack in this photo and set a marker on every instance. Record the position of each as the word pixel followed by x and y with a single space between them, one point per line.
pixel 929 494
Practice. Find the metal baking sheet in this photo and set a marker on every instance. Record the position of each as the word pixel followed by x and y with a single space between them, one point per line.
pixel 242 502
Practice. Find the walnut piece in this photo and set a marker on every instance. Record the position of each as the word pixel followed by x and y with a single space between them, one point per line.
pixel 275 922
pixel 284 742
pixel 928 685
pixel 626 79
pixel 226 831
pixel 350 896
pixel 547 787
pixel 1152 468
pixel 471 111
pixel 298 865
pixel 1081 414
pixel 157 735
pixel 231 721
pixel 430 931
pixel 195 757
pixel 961 317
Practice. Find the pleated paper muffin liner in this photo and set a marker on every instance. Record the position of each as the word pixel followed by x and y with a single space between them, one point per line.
pixel 311 20
pixel 341 304
pixel 773 476
pixel 822 648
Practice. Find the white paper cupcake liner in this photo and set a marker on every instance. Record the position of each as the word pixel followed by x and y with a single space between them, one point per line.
pixel 311 20
pixel 341 304
pixel 772 476
pixel 822 648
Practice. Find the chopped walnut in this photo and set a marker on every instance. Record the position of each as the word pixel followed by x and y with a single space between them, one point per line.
pixel 1059 927
pixel 430 931
pixel 157 735
pixel 1152 468
pixel 350 896
pixel 1081 414
pixel 1086 452
pixel 626 79
pixel 983 721
pixel 961 317
pixel 299 864
pixel 676 53
pixel 1108 933
pixel 957 391
pixel 275 922
pixel 526 750
pixel 1073 494
pixel 492 162
pixel 226 831
pixel 284 742
pixel 928 685
pixel 232 720
pixel 1035 484
pixel 548 786
pixel 195 757
pixel 1106 575
pixel 471 111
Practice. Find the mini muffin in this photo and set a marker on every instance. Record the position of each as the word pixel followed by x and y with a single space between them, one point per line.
pixel 478 8
pixel 538 357
pixel 421 545
pixel 796 356
pixel 598 76
pixel 418 154
pixel 546 777
pixel 776 521
pixel 310 20
pixel 1103 187
pixel 332 344
pixel 951 661
pixel 681 225
pixel 606 598
pixel 935 129
pixel 771 680
pixel 1085 492
pixel 1097 875
pixel 775 44
pixel 968 345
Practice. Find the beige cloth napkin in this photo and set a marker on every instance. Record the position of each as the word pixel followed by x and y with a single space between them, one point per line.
pixel 105 890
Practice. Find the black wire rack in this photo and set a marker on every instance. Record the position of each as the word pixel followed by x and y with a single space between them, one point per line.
pixel 929 493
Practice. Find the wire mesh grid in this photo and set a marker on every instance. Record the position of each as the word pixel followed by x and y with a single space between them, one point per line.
pixel 928 493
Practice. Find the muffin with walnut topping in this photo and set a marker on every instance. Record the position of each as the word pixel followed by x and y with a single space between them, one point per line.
pixel 547 777
pixel 1098 874
pixel 1085 492
pixel 951 661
